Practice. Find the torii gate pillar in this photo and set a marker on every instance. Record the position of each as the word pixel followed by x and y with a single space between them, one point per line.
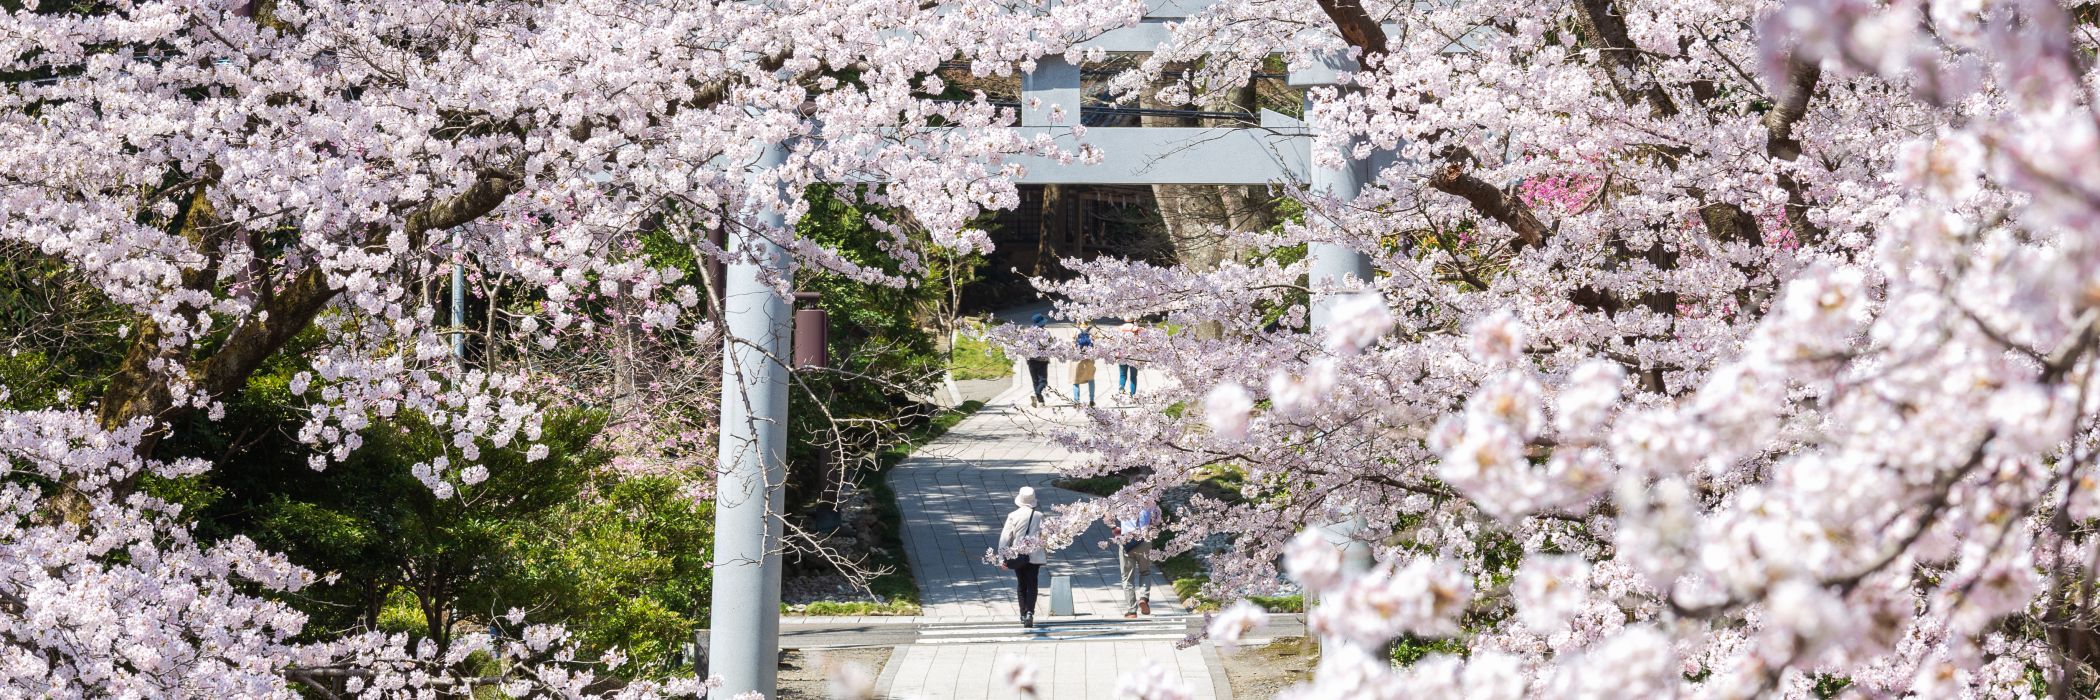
pixel 744 617
pixel 1340 267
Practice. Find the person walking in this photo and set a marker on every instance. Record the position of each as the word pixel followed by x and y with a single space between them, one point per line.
pixel 1134 560
pixel 1023 535
pixel 1083 373
pixel 1039 367
pixel 1126 363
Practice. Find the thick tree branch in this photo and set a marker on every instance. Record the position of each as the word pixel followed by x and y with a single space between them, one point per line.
pixel 1493 203
pixel 1362 31
pixel 1728 222
pixel 135 388
pixel 1800 87
pixel 1607 28
pixel 137 391
pixel 295 307
pixel 1358 28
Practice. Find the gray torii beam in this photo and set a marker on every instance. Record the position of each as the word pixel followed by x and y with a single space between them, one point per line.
pixel 1278 150
pixel 1177 156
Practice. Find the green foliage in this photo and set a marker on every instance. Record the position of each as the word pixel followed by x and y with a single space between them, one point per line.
pixel 628 566
pixel 1288 211
pixel 1293 603
pixel 1183 565
pixel 621 561
pixel 1190 588
pixel 374 526
pixel 974 358
pixel 1409 649
pixel 1224 482
pixel 890 606
pixel 59 336
pixel 1829 686
pixel 399 613
pixel 881 352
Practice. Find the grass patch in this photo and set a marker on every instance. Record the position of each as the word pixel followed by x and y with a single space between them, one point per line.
pixel 854 607
pixel 1188 577
pixel 1191 589
pixel 1179 566
pixel 1093 485
pixel 1293 603
pixel 900 595
pixel 1224 482
pixel 974 358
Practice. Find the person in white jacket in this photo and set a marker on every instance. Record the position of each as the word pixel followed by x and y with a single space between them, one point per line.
pixel 1021 546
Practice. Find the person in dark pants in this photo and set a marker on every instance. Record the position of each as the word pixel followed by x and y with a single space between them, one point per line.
pixel 1023 537
pixel 1039 367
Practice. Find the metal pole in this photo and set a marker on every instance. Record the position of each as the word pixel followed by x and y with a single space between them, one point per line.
pixel 744 623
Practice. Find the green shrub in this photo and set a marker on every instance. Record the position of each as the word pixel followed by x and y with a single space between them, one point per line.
pixel 1410 649
pixel 1191 588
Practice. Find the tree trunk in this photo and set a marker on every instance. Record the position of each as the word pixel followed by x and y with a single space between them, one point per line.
pixel 1194 213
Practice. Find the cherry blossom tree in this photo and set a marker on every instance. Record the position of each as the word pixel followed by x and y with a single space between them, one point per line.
pixel 1718 349
pixel 1714 349
pixel 236 174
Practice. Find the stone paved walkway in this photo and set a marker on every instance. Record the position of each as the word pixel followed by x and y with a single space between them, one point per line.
pixel 955 493
pixel 1062 670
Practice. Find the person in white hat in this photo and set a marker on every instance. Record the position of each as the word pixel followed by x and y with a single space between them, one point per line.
pixel 1023 538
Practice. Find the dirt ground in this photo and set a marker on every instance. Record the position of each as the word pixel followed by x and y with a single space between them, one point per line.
pixel 806 675
pixel 1258 673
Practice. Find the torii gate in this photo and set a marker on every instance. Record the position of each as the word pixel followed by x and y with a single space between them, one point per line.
pixel 744 624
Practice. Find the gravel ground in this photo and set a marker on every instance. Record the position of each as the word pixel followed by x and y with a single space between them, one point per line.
pixel 806 675
pixel 802 590
pixel 1258 673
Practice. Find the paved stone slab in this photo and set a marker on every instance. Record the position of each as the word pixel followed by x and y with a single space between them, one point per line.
pixel 1085 670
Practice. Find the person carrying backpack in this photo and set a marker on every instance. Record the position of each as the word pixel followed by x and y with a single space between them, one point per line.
pixel 1083 371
